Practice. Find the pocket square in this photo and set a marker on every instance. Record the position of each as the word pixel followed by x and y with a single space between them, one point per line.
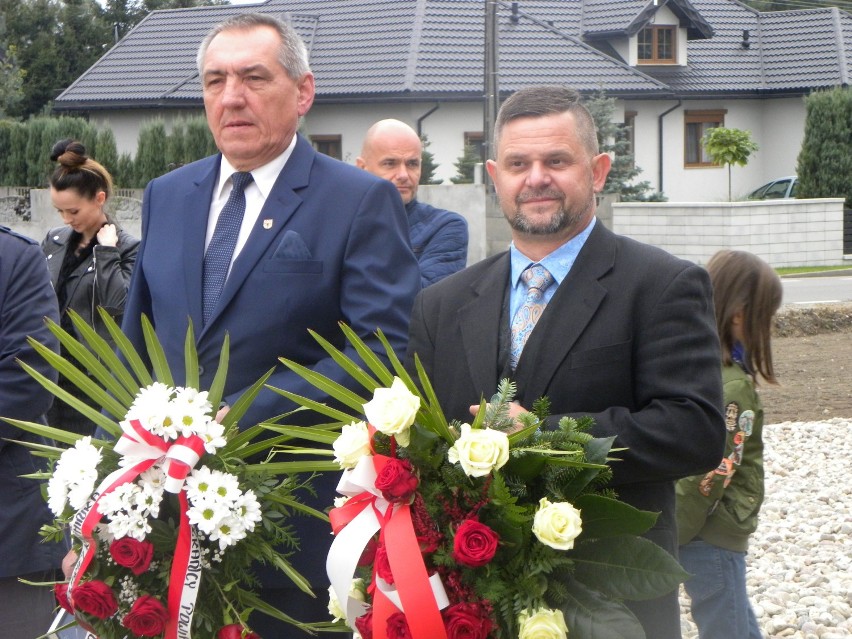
pixel 291 247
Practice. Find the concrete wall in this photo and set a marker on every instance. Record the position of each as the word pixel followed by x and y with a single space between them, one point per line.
pixel 29 211
pixel 783 232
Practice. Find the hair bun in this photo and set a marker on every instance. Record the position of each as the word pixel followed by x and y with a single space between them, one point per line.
pixel 74 152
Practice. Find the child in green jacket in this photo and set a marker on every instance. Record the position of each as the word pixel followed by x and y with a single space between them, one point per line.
pixel 717 512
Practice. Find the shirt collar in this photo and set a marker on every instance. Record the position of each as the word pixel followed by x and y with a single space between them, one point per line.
pixel 559 262
pixel 263 176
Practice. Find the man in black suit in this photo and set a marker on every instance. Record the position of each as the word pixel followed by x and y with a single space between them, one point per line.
pixel 627 335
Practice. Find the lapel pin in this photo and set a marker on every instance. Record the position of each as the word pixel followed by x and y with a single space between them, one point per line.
pixel 267 224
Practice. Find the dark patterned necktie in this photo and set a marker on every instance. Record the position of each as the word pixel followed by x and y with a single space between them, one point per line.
pixel 217 259
pixel 537 278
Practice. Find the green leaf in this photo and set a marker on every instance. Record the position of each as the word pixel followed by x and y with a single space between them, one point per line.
pixel 303 432
pixel 76 376
pixel 126 348
pixel 606 517
pixel 245 400
pixel 319 407
pixel 323 383
pixel 372 361
pixel 354 370
pixel 56 434
pixel 433 406
pixel 217 386
pixel 297 505
pixel 596 453
pixel 627 567
pixel 159 364
pixel 290 468
pixel 190 358
pixel 589 615
pixel 250 599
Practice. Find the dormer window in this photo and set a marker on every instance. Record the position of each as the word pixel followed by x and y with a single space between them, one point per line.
pixel 657 45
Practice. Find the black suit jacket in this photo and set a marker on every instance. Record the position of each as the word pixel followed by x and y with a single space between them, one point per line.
pixel 629 338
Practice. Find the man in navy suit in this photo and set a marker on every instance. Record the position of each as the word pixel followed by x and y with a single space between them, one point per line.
pixel 320 243
pixel 26 298
pixel 627 335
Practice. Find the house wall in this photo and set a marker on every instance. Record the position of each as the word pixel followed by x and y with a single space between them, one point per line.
pixel 782 232
pixel 777 125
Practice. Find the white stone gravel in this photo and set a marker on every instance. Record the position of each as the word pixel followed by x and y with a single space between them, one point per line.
pixel 800 559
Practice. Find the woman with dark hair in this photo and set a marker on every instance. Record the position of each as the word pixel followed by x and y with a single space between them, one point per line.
pixel 90 259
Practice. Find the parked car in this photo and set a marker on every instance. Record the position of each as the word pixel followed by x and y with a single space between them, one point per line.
pixel 784 187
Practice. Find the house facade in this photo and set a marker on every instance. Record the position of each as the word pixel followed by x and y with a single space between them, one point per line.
pixel 675 67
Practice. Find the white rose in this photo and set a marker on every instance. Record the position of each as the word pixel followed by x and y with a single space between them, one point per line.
pixel 557 525
pixel 392 410
pixel 542 624
pixel 356 591
pixel 352 444
pixel 479 451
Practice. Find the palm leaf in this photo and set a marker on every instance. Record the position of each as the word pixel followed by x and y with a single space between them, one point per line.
pixel 125 347
pixel 292 468
pixel 217 387
pixel 323 383
pixel 319 407
pixel 190 359
pixel 300 432
pixel 159 364
pixel 346 363
pixel 244 401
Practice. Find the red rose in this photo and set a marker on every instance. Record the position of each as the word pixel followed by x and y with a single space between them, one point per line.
pixel 132 553
pixel 466 621
pixel 475 544
pixel 61 593
pixel 235 631
pixel 95 598
pixel 364 625
pixel 382 564
pixel 396 481
pixel 398 627
pixel 147 617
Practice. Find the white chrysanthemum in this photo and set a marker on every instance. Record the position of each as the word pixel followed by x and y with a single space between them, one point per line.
pixel 147 500
pixel 193 397
pixel 226 487
pixel 74 476
pixel 205 514
pixel 154 478
pixel 154 396
pixel 213 435
pixel 247 510
pixel 200 483
pixel 228 531
pixel 119 525
pixel 139 526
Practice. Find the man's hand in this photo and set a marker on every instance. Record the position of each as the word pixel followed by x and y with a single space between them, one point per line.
pixel 515 409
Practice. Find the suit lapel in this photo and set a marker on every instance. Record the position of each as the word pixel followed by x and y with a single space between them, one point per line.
pixel 196 211
pixel 282 202
pixel 480 324
pixel 567 314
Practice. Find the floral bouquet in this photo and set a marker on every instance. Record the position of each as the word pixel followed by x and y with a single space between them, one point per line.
pixel 168 517
pixel 470 530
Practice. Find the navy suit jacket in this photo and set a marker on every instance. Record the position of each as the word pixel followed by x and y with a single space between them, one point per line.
pixel 629 337
pixel 26 298
pixel 330 245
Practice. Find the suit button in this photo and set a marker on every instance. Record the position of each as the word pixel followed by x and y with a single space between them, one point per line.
pixel 200 369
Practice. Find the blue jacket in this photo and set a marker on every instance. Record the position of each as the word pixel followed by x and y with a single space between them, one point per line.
pixel 26 298
pixel 438 239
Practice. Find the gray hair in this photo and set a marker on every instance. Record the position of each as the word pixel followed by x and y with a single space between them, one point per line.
pixel 536 102
pixel 293 55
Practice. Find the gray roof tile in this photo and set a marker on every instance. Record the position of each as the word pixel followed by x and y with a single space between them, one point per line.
pixel 396 50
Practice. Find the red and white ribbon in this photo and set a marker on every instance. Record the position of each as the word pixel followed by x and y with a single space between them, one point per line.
pixel 141 449
pixel 420 597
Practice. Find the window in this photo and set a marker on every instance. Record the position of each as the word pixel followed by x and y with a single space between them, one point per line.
pixel 330 145
pixel 696 124
pixel 656 45
pixel 476 139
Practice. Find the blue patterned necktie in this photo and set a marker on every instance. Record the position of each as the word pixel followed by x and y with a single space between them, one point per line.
pixel 217 259
pixel 537 278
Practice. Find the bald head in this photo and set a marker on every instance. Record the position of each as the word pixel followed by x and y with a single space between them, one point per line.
pixel 392 151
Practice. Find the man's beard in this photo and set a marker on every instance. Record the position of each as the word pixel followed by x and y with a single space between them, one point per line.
pixel 561 219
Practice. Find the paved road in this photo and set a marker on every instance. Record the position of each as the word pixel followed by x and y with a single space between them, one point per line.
pixel 818 289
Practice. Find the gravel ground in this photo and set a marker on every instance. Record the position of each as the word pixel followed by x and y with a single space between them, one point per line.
pixel 800 560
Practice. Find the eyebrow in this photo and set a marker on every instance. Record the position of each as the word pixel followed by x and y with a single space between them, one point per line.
pixel 240 72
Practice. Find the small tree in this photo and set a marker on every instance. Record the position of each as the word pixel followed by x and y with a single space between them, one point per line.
pixel 613 138
pixel 106 151
pixel 427 163
pixel 728 146
pixel 150 157
pixel 465 165
pixel 824 164
pixel 124 171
